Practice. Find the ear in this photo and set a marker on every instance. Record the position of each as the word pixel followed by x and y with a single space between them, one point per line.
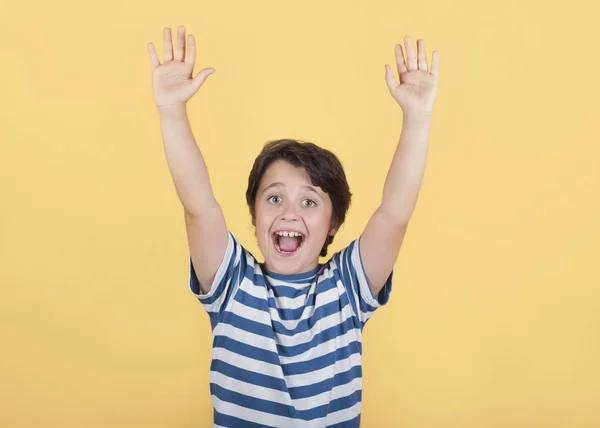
pixel 333 230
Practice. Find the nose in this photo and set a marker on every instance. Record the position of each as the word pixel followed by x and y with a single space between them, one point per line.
pixel 289 212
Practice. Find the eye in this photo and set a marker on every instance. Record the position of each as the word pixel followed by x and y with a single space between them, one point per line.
pixel 309 203
pixel 274 199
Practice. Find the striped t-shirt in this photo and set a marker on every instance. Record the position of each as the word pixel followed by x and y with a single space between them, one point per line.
pixel 287 348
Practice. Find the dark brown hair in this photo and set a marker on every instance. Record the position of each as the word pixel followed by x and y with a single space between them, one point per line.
pixel 323 167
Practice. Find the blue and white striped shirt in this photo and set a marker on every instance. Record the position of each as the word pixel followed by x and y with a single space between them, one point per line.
pixel 287 348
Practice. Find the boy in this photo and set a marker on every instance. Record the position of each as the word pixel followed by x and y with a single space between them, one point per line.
pixel 287 332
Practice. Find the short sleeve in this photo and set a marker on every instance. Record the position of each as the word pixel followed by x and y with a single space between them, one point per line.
pixel 226 280
pixel 352 274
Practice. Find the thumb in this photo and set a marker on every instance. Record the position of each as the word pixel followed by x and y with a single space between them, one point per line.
pixel 201 77
pixel 390 79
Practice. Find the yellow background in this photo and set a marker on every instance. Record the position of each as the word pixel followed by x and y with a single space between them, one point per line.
pixel 494 320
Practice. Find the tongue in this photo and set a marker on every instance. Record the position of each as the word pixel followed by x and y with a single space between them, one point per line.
pixel 287 243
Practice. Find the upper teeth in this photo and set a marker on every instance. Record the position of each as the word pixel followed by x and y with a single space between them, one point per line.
pixel 289 234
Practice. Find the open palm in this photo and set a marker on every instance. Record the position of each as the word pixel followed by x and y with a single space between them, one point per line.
pixel 418 86
pixel 172 81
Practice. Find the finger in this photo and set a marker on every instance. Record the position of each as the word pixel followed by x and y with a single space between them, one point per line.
pixel 400 60
pixel 168 45
pixel 153 57
pixel 422 55
pixel 180 44
pixel 411 58
pixel 200 78
pixel 390 79
pixel 435 63
pixel 190 56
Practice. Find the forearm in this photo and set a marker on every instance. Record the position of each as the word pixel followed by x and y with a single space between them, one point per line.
pixel 405 175
pixel 185 161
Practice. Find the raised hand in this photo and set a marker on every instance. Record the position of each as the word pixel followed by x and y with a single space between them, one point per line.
pixel 418 87
pixel 172 80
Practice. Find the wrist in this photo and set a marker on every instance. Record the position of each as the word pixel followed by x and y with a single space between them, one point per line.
pixel 172 110
pixel 417 116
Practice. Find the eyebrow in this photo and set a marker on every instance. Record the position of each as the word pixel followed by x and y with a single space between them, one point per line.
pixel 278 184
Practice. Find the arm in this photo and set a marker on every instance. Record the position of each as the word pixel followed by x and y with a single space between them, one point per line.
pixel 204 220
pixel 173 86
pixel 383 236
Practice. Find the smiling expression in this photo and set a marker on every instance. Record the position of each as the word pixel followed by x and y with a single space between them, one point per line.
pixel 291 214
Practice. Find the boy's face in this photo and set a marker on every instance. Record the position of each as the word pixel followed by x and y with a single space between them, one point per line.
pixel 287 203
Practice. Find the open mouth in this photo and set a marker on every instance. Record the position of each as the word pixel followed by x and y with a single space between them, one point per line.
pixel 287 243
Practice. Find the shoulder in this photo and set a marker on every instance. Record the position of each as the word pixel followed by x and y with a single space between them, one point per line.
pixel 342 261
